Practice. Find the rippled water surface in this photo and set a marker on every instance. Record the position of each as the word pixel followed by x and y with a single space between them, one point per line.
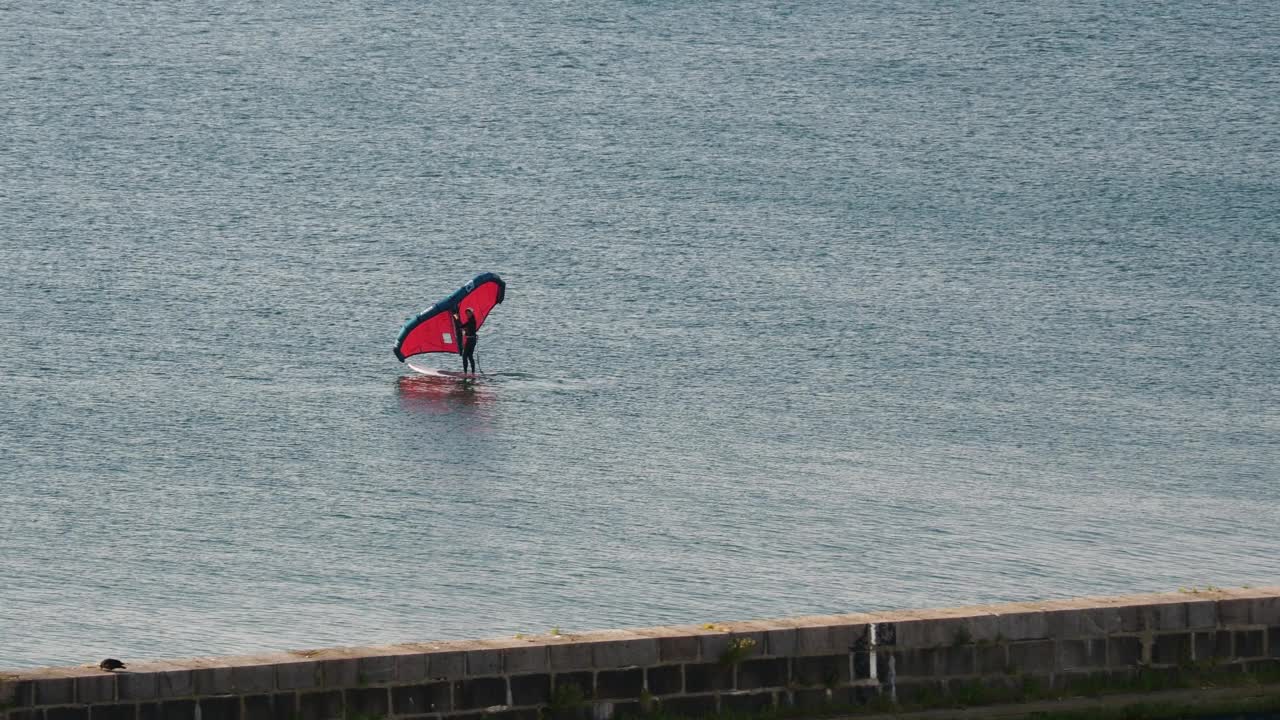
pixel 818 308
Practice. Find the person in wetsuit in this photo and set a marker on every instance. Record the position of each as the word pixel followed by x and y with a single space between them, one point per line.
pixel 467 335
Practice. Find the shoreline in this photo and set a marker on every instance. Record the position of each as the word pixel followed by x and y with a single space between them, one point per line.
pixel 821 665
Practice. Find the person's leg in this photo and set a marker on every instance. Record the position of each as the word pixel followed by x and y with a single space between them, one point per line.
pixel 468 355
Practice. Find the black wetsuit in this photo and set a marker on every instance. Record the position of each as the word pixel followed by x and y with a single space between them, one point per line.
pixel 468 332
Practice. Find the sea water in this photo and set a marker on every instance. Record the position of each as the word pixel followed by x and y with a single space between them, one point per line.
pixel 812 307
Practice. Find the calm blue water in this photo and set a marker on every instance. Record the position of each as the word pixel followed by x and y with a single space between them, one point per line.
pixel 827 308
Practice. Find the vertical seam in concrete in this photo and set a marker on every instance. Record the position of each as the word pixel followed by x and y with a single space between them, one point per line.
pixel 893 680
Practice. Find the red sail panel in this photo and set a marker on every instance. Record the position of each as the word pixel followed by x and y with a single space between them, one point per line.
pixel 433 334
pixel 482 300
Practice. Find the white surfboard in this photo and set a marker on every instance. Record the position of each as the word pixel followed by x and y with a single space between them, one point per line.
pixel 423 369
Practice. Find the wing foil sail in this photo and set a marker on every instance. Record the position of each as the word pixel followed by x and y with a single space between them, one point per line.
pixel 433 329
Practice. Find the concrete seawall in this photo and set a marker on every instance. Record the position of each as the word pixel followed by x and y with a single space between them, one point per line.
pixel 823 663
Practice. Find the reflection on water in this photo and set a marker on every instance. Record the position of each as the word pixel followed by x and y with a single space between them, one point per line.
pixel 442 395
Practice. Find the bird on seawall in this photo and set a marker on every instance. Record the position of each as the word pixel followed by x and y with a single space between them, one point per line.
pixel 111 664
